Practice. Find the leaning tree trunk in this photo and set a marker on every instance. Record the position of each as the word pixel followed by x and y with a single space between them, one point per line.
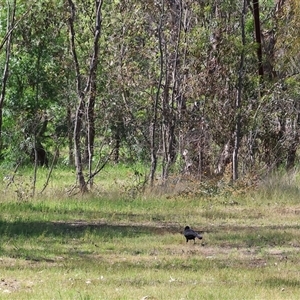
pixel 10 26
pixel 88 94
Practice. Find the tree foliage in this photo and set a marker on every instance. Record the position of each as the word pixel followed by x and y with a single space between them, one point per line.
pixel 184 86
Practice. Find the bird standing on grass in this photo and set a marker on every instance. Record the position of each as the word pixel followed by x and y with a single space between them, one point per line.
pixel 191 234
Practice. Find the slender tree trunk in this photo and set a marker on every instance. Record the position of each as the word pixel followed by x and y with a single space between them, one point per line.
pixel 35 167
pixel 258 37
pixel 153 126
pixel 81 104
pixel 70 136
pixel 10 25
pixel 224 157
pixel 279 5
pixel 171 102
pixel 55 157
pixel 293 145
pixel 36 131
pixel 91 89
pixel 238 104
pixel 77 146
pixel 86 96
pixel 117 138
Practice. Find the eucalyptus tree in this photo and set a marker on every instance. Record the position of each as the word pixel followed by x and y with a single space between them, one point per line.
pixel 198 86
pixel 86 84
pixel 222 82
pixel 282 44
pixel 127 72
pixel 146 50
pixel 177 64
pixel 132 65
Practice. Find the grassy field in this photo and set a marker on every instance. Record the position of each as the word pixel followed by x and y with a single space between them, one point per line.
pixel 111 245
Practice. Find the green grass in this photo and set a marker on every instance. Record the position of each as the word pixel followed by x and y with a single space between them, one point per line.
pixel 108 245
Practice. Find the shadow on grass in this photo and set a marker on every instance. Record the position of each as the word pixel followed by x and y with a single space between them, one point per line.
pixel 281 282
pixel 104 230
pixel 78 229
pixel 40 241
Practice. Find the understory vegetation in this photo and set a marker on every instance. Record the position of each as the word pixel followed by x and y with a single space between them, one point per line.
pixel 119 243
pixel 187 88
pixel 122 122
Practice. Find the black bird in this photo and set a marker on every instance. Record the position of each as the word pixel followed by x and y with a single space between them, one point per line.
pixel 191 234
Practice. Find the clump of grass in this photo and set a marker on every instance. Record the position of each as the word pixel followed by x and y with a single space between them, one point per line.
pixel 280 188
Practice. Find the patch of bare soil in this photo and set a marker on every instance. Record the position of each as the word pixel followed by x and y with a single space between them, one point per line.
pixel 8 286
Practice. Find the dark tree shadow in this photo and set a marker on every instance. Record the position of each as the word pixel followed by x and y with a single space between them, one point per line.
pixel 72 234
pixel 76 229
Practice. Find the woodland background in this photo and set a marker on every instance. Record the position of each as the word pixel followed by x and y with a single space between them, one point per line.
pixel 185 87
